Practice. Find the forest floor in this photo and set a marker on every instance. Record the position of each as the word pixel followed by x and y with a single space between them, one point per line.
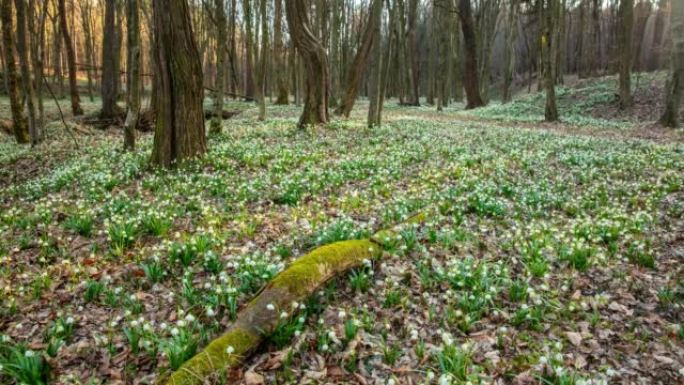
pixel 552 254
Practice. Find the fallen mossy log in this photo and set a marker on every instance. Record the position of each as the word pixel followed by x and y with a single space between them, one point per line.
pixel 294 284
pixel 306 275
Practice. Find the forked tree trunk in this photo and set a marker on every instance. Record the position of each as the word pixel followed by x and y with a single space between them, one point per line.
pixel 71 61
pixel 626 23
pixel 279 55
pixel 315 62
pixel 548 43
pixel 358 68
pixel 221 48
pixel 109 66
pixel 179 130
pixel 26 81
pixel 19 124
pixel 675 85
pixel 134 69
pixel 471 81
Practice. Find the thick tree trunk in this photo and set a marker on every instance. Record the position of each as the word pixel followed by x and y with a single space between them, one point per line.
pixel 675 85
pixel 471 81
pixel 110 55
pixel 134 71
pixel 360 64
pixel 19 123
pixel 71 61
pixel 26 81
pixel 315 62
pixel 279 55
pixel 221 48
pixel 548 43
pixel 626 24
pixel 179 130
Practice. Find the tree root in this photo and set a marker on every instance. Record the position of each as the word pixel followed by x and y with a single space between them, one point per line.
pixel 260 317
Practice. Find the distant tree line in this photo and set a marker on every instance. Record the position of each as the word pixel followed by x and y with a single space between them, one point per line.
pixel 167 55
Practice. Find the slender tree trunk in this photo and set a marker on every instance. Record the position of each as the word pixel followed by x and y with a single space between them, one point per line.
pixel 358 68
pixel 626 23
pixel 38 55
pixel 548 58
pixel 133 73
pixel 249 48
pixel 509 53
pixel 110 55
pixel 19 123
pixel 375 78
pixel 179 131
pixel 443 49
pixel 71 61
pixel 414 57
pixel 471 81
pixel 263 62
pixel 221 48
pixel 85 23
pixel 595 53
pixel 25 64
pixel 279 55
pixel 315 61
pixel 675 85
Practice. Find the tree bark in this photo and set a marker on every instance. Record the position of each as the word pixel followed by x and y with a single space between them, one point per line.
pixel 110 55
pixel 675 85
pixel 414 58
pixel 249 48
pixel 26 82
pixel 509 54
pixel 358 68
pixel 626 25
pixel 19 123
pixel 263 63
pixel 85 23
pixel 471 81
pixel 134 71
pixel 279 55
pixel 71 61
pixel 179 130
pixel 315 62
pixel 548 43
pixel 221 49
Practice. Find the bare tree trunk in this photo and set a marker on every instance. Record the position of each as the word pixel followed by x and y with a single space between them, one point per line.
pixel 414 58
pixel 279 55
pixel 441 15
pixel 221 48
pixel 675 85
pixel 263 63
pixel 375 78
pixel 471 81
pixel 509 54
pixel 626 24
pixel 315 61
pixel 85 23
pixel 110 54
pixel 19 123
pixel 179 132
pixel 71 61
pixel 358 68
pixel 548 58
pixel 249 47
pixel 134 71
pixel 26 82
pixel 37 19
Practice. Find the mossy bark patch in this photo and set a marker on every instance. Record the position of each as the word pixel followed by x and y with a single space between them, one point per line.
pixel 306 275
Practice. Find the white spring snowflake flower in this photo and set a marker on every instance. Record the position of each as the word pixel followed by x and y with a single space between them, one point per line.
pixel 230 350
pixel 270 307
pixel 283 315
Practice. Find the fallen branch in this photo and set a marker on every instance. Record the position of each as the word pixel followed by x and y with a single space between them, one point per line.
pixel 259 318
